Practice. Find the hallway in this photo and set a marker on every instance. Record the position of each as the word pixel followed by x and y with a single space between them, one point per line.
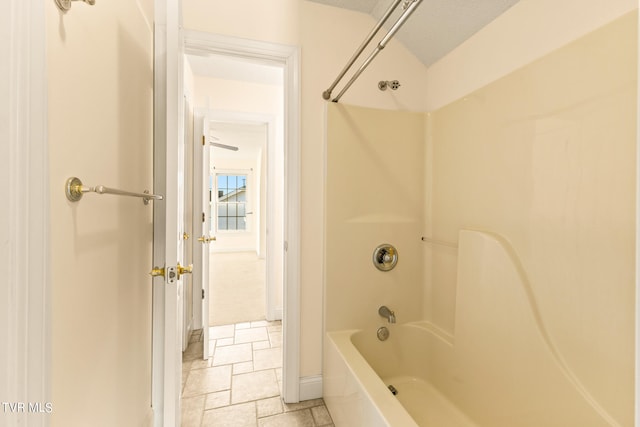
pixel 239 385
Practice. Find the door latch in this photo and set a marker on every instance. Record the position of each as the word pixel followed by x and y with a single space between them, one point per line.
pixel 169 273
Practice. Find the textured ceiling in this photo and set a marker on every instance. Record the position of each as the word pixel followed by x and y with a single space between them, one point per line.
pixel 436 27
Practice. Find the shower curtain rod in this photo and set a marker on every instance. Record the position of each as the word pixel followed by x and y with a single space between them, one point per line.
pixel 409 6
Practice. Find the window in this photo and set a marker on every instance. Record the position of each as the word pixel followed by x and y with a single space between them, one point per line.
pixel 231 202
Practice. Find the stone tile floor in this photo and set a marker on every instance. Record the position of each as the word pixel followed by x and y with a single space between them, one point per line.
pixel 239 384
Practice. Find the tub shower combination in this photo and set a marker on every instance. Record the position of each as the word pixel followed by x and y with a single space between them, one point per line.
pixel 496 364
pixel 500 369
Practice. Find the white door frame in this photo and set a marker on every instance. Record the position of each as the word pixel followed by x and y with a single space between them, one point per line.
pixel 167 237
pixel 289 58
pixel 25 295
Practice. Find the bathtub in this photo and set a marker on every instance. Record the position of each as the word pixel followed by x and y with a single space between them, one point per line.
pixel 360 368
pixel 499 368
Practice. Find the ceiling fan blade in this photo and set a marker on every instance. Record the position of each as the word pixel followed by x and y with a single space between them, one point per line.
pixel 225 146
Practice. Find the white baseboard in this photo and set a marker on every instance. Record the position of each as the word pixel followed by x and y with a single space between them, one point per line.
pixel 311 387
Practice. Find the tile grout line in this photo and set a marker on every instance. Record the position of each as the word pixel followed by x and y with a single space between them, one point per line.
pixel 284 408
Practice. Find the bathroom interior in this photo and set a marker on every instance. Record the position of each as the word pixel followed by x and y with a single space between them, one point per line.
pixel 510 218
pixel 503 174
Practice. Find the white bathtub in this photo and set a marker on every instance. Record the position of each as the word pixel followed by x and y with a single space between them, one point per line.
pixel 359 369
pixel 499 368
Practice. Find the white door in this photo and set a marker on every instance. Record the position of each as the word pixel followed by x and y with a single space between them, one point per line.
pixel 167 220
pixel 201 227
pixel 186 288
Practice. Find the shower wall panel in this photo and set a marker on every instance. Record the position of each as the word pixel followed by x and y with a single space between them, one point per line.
pixel 374 190
pixel 546 157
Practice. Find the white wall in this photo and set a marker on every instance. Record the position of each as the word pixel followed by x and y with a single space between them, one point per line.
pixel 100 108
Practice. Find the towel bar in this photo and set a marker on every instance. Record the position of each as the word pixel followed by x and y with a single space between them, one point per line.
pixel 75 190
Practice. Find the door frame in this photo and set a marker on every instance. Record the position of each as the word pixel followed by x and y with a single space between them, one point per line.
pixel 167 239
pixel 201 43
pixel 24 223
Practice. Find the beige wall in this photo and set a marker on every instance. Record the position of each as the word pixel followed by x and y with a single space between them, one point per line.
pixel 100 79
pixel 546 157
pixel 525 32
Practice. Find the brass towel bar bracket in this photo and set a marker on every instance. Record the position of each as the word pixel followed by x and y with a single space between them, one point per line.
pixel 65 5
pixel 74 190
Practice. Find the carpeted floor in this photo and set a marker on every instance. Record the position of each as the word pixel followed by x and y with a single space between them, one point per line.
pixel 237 288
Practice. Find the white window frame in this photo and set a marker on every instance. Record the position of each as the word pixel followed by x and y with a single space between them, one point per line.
pixel 214 198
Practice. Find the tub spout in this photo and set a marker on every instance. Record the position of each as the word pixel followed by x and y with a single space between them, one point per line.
pixel 388 314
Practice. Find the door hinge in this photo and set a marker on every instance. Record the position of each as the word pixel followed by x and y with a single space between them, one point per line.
pixel 203 294
pixel 203 217
pixel 203 140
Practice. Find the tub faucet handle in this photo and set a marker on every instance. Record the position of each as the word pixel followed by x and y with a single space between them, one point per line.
pixel 388 314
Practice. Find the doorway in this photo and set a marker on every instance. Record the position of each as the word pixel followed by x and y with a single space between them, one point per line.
pixel 245 269
pixel 283 129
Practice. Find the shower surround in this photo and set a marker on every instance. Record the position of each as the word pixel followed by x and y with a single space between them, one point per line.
pixel 544 158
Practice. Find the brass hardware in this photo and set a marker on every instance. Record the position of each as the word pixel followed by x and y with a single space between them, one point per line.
pixel 65 5
pixel 157 271
pixel 203 140
pixel 74 191
pixel 184 270
pixel 212 239
pixel 206 239
pixel 186 236
pixel 179 270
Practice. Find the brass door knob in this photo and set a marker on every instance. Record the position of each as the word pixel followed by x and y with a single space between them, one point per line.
pixel 185 236
pixel 157 271
pixel 206 239
pixel 184 270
